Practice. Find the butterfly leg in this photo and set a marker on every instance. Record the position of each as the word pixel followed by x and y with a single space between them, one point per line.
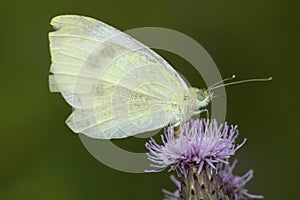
pixel 198 112
pixel 176 128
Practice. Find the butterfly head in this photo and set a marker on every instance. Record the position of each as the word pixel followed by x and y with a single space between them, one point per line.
pixel 204 96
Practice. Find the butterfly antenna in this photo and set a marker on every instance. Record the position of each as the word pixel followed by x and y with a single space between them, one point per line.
pixel 221 81
pixel 242 81
pixel 217 96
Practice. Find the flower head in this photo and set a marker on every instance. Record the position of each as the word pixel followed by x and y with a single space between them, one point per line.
pixel 173 195
pixel 231 185
pixel 234 185
pixel 199 144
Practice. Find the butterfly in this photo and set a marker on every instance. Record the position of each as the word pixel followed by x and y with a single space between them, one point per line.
pixel 117 86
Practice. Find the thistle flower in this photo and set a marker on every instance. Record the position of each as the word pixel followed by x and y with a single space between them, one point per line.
pixel 199 144
pixel 173 195
pixel 234 185
pixel 197 154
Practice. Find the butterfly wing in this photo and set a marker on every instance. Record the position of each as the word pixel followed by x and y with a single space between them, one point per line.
pixel 117 86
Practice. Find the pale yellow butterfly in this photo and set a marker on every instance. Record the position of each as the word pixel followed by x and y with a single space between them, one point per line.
pixel 117 86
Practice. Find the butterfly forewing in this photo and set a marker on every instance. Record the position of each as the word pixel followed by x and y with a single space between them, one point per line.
pixel 117 86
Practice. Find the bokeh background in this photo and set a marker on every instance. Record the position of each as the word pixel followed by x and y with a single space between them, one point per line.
pixel 42 159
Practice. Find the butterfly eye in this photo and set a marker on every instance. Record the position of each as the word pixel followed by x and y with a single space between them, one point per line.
pixel 201 96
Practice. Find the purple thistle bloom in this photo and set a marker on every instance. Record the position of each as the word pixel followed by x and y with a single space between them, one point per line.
pixel 200 144
pixel 234 185
pixel 173 195
pixel 198 154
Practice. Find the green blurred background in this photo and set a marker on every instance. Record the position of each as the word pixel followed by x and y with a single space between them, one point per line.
pixel 42 159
